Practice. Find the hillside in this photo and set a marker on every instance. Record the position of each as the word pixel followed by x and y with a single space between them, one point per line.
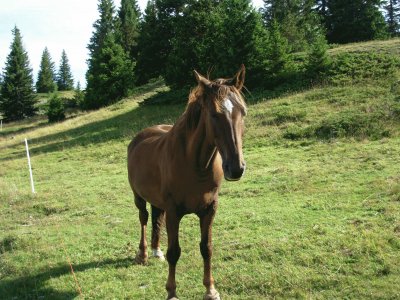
pixel 317 214
pixel 391 46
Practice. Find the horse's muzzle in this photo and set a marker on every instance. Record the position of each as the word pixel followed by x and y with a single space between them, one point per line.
pixel 233 172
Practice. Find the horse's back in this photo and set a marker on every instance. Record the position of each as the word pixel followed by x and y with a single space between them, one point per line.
pixel 153 132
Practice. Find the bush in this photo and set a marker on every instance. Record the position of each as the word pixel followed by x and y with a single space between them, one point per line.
pixel 351 124
pixel 348 124
pixel 357 67
pixel 56 109
pixel 69 103
pixel 395 90
pixel 295 132
pixel 79 98
pixel 284 114
pixel 318 60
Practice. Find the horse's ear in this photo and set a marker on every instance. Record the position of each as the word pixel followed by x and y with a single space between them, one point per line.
pixel 237 80
pixel 201 79
pixel 239 77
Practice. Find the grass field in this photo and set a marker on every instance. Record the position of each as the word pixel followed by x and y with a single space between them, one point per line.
pixel 316 216
pixel 391 46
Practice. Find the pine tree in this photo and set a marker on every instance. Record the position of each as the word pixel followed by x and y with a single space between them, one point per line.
pixel 279 57
pixel 354 21
pixel 215 35
pixel 17 99
pixel 243 36
pixel 168 14
pixel 322 7
pixel 156 35
pixel 129 22
pixel 277 10
pixel 193 32
pixel 56 109
pixel 318 59
pixel 65 82
pixel 110 73
pixel 297 19
pixel 109 76
pixel 79 95
pixel 392 8
pixel 102 27
pixel 46 76
pixel 149 65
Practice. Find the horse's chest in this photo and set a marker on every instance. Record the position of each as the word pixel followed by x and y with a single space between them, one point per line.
pixel 193 196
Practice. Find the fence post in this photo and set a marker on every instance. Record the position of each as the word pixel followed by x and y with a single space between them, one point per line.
pixel 29 164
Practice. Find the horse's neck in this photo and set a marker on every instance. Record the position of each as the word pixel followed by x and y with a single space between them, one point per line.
pixel 200 149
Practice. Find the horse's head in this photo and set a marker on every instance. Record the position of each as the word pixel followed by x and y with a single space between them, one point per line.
pixel 225 110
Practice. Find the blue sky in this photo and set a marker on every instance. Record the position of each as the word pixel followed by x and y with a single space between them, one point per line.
pixel 55 24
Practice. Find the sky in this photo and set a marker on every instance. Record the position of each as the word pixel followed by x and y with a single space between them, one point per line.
pixel 55 24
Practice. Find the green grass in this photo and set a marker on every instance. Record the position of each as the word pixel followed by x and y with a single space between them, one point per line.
pixel 316 216
pixel 391 46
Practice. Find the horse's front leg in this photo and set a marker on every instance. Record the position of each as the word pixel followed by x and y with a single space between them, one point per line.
pixel 173 252
pixel 206 220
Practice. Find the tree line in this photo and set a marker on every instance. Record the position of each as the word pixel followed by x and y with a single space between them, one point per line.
pixel 17 88
pixel 173 37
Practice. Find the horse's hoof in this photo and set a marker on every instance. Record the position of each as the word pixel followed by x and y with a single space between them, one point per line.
pixel 160 258
pixel 141 259
pixel 213 295
pixel 158 254
pixel 173 298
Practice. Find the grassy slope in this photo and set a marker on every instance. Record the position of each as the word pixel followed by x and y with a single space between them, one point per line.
pixel 32 123
pixel 391 46
pixel 313 217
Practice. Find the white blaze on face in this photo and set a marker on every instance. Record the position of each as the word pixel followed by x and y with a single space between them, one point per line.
pixel 228 105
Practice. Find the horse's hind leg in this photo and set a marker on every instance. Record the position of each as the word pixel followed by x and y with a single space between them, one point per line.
pixel 142 256
pixel 157 218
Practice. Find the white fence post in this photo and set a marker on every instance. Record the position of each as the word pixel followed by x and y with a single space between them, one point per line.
pixel 29 164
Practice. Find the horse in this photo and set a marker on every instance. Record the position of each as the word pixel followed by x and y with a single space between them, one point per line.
pixel 179 169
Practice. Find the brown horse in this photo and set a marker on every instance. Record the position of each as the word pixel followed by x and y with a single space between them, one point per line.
pixel 178 169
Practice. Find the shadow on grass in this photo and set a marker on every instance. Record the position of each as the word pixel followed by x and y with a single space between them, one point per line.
pixel 35 286
pixel 31 124
pixel 122 126
pixel 163 107
pixel 149 87
pixel 39 121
